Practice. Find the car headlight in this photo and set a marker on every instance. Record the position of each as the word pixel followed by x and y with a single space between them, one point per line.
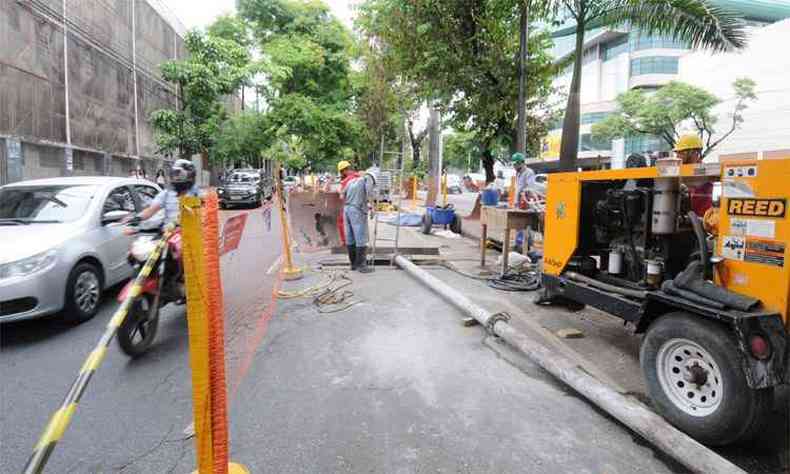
pixel 142 248
pixel 28 266
pixel 220 191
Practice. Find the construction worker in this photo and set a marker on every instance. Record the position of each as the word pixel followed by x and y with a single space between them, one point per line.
pixel 689 149
pixel 525 179
pixel 356 191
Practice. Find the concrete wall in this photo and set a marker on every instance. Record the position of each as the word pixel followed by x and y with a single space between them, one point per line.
pixel 110 43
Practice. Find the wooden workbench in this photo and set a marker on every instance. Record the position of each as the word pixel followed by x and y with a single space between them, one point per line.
pixel 507 219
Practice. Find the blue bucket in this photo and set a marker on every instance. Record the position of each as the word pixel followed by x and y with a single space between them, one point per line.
pixel 441 216
pixel 489 197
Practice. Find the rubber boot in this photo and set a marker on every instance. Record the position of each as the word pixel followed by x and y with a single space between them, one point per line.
pixel 352 256
pixel 362 260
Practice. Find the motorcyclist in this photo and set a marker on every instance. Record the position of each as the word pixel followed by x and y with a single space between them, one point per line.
pixel 182 183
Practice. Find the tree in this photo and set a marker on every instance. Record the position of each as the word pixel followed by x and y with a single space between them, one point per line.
pixel 665 113
pixel 240 141
pixel 697 22
pixel 308 86
pixel 235 29
pixel 214 68
pixel 460 152
pixel 462 56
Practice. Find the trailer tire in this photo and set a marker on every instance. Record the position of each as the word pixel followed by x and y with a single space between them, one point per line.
pixel 692 369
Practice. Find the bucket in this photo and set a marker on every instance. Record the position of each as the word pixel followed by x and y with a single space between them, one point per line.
pixel 441 216
pixel 489 197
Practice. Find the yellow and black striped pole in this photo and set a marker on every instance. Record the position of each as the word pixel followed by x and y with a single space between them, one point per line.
pixel 62 417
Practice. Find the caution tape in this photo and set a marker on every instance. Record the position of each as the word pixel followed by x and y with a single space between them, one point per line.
pixel 62 417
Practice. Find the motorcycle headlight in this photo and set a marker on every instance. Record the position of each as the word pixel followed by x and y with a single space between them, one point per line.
pixel 142 248
pixel 28 266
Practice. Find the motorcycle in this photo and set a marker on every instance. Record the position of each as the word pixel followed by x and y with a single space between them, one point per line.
pixel 164 285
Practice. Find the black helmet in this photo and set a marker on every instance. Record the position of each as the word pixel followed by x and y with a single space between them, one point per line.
pixel 182 175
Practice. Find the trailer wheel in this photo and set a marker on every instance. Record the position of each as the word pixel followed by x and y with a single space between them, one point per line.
pixel 693 374
pixel 427 223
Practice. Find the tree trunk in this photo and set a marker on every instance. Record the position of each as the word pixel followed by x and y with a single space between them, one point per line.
pixel 521 134
pixel 488 163
pixel 569 147
pixel 434 157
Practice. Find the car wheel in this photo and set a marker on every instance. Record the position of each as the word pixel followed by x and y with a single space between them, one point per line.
pixel 693 374
pixel 83 292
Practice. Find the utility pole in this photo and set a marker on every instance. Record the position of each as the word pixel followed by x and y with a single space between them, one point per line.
pixel 521 128
pixel 434 156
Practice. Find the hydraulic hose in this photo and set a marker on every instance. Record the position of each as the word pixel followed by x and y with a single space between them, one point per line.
pixel 691 279
pixel 605 286
pixel 669 288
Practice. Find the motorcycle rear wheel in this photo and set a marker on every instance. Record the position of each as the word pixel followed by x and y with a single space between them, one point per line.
pixel 138 330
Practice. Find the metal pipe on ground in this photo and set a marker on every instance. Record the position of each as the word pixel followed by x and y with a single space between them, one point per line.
pixel 630 412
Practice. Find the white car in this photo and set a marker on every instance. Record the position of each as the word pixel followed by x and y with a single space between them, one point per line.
pixel 62 245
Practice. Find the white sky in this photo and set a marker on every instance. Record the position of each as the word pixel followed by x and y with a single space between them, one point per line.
pixel 200 13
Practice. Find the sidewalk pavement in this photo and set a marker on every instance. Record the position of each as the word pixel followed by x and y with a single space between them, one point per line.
pixel 608 349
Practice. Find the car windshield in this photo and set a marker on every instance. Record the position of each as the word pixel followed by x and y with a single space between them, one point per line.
pixel 240 178
pixel 44 204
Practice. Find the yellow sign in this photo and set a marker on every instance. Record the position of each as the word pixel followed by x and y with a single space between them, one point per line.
pixel 550 148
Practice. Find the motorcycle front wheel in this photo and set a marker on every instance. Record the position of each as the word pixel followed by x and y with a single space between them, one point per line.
pixel 138 330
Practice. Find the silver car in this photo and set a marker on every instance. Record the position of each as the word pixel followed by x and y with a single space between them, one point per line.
pixel 61 243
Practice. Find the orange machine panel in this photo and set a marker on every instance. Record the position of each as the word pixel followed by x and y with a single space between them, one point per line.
pixel 754 231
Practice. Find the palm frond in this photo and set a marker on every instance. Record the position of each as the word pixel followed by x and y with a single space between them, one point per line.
pixel 697 22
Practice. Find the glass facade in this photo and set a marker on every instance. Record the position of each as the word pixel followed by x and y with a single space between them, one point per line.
pixel 644 143
pixel 654 65
pixel 593 117
pixel 637 42
pixel 587 143
pixel 613 48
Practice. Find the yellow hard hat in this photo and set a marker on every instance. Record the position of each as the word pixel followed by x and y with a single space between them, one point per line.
pixel 689 142
pixel 343 165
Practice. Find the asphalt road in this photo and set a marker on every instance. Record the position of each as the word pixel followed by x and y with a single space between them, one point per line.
pixel 133 415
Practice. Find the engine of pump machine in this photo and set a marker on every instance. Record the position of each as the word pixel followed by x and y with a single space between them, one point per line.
pixel 637 230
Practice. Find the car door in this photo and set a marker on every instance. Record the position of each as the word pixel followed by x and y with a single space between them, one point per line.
pixel 145 195
pixel 113 244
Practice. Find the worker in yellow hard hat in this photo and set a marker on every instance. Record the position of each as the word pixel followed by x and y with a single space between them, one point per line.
pixel 356 191
pixel 689 149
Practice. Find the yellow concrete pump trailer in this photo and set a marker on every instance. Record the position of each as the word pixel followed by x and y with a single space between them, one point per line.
pixel 709 292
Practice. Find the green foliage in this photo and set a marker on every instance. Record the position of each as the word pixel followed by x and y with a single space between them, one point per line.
pixel 214 69
pixel 288 150
pixel 696 22
pixel 306 62
pixel 665 112
pixel 232 28
pixel 240 141
pixel 417 169
pixel 460 152
pixel 462 56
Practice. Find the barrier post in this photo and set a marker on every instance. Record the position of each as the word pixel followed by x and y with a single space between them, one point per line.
pixel 289 270
pixel 444 189
pixel 206 350
pixel 413 193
